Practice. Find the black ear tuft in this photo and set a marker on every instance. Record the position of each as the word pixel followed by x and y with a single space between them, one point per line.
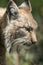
pixel 12 10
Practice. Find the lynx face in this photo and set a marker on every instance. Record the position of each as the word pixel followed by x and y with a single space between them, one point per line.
pixel 21 27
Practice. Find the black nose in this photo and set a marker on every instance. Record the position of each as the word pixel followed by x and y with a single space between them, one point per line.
pixel 34 43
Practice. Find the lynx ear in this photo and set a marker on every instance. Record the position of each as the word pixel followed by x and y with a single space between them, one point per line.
pixel 12 10
pixel 25 4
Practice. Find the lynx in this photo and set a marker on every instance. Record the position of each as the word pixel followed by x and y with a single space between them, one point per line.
pixel 17 27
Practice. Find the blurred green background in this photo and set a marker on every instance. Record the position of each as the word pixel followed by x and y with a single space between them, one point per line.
pixel 37 10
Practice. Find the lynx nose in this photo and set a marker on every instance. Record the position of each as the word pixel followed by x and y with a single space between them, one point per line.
pixel 34 40
pixel 33 37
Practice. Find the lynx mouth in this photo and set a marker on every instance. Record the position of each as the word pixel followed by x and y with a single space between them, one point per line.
pixel 21 41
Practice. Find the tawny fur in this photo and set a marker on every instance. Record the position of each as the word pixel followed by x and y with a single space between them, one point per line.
pixel 18 29
pixel 2 11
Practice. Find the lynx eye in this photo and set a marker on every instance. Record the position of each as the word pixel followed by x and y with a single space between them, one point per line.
pixel 29 29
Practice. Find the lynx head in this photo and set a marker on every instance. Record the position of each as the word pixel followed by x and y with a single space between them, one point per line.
pixel 22 26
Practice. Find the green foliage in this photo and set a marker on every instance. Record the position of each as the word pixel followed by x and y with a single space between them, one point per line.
pixel 3 3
